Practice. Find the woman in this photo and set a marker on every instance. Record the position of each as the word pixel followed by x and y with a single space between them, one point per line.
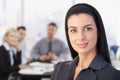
pixel 10 54
pixel 88 45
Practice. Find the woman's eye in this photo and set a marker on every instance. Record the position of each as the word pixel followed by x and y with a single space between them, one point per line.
pixel 88 29
pixel 73 30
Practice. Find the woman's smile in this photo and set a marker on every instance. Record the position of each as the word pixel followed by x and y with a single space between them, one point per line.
pixel 82 45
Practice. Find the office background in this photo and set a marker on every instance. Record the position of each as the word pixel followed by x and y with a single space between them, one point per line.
pixel 36 14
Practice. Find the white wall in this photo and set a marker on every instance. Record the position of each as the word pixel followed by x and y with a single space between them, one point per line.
pixel 38 13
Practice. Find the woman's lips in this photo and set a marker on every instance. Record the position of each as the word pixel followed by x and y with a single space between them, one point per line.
pixel 83 45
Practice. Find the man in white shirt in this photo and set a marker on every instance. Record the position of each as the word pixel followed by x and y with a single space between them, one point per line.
pixel 22 32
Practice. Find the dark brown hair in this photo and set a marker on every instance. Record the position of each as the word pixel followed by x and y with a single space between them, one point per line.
pixel 21 27
pixel 53 24
pixel 102 46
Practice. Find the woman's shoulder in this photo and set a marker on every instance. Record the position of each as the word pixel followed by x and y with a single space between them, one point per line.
pixel 2 48
pixel 110 73
pixel 111 68
pixel 63 64
pixel 61 71
pixel 2 51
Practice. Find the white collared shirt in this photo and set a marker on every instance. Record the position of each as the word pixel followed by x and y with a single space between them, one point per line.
pixel 23 54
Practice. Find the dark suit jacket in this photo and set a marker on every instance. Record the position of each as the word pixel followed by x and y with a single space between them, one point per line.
pixel 99 69
pixel 5 66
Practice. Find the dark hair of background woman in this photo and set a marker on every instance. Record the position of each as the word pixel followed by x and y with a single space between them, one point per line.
pixel 102 46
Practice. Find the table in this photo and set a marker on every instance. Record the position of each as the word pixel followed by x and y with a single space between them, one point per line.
pixel 35 77
pixel 116 64
pixel 37 71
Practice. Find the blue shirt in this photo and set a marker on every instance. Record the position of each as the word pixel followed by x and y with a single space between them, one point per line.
pixel 41 48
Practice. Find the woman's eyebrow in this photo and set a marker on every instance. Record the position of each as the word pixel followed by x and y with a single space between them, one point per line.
pixel 71 27
pixel 83 26
pixel 87 25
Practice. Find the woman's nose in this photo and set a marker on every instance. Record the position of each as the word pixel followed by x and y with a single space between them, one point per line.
pixel 81 35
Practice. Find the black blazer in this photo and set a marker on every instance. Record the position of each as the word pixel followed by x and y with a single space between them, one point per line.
pixel 5 66
pixel 99 69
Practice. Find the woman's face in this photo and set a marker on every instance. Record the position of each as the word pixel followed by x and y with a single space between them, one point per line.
pixel 82 33
pixel 12 39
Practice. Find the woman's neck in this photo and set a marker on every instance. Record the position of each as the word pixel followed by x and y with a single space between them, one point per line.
pixel 86 59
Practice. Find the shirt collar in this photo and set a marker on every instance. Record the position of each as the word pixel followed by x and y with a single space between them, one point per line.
pixel 97 64
pixel 8 48
pixel 51 40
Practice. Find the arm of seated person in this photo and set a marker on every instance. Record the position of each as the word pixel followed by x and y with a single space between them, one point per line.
pixel 21 66
pixel 44 58
pixel 52 56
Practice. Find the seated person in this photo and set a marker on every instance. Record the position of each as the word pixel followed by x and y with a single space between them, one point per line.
pixel 10 54
pixel 114 48
pixel 113 52
pixel 49 48
pixel 22 35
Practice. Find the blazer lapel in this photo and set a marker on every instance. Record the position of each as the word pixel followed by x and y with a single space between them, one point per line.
pixel 91 75
pixel 6 53
pixel 71 68
pixel 8 58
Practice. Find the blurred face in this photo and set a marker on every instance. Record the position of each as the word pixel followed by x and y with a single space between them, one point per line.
pixel 51 30
pixel 82 33
pixel 22 34
pixel 12 39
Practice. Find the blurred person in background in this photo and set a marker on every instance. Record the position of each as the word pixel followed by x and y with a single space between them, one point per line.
pixel 22 35
pixel 10 54
pixel 49 48
pixel 114 48
pixel 113 51
pixel 118 54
